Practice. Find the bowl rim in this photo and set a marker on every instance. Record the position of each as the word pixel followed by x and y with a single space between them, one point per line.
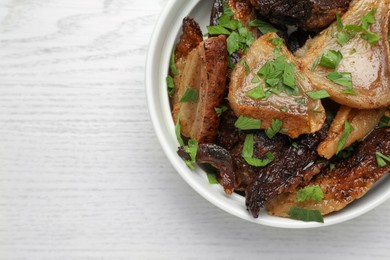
pixel 164 130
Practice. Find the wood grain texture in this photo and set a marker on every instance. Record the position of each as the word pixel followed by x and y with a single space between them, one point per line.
pixel 82 175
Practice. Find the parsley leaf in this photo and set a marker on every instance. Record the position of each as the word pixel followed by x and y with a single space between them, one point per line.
pixel 246 66
pixel 172 64
pixel 275 128
pixel 370 37
pixel 331 59
pixel 247 153
pixel 170 85
pixel 263 26
pixel 217 29
pixel 212 178
pixel 190 95
pixel 381 159
pixel 348 128
pixel 341 78
pixel 368 19
pixel 306 215
pixel 178 132
pixel 233 42
pixel 320 94
pixel 289 75
pixel 384 121
pixel 340 25
pixel 344 37
pixel 269 157
pixel 246 123
pixel 220 110
pixel 256 93
pixel 310 193
pixel 191 149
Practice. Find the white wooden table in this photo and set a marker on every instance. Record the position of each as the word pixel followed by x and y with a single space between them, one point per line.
pixel 82 175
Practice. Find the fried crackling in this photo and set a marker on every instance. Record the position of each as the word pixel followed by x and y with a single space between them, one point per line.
pixel 348 181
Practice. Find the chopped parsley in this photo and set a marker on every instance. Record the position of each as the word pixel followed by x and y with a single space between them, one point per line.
pixel 178 132
pixel 239 37
pixel 191 149
pixel 170 85
pixel 370 37
pixel 257 93
pixel 246 66
pixel 381 159
pixel 384 121
pixel 368 19
pixel 343 79
pixel 306 215
pixel 276 127
pixel 172 64
pixel 220 110
pixel 319 94
pixel 263 26
pixel 190 95
pixel 331 59
pixel 278 74
pixel 346 33
pixel 246 123
pixel 247 153
pixel 348 128
pixel 310 193
pixel 212 178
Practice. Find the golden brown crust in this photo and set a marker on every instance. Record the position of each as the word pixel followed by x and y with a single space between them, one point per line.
pixel 348 181
pixel 190 38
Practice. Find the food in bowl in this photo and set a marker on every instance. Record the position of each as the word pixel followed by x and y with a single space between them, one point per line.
pixel 300 132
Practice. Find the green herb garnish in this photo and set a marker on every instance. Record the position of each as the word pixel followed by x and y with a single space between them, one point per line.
pixel 220 110
pixel 306 215
pixel 275 128
pixel 263 26
pixel 191 149
pixel 217 29
pixel 384 121
pixel 343 79
pixel 257 93
pixel 212 178
pixel 289 75
pixel 319 94
pixel 178 132
pixel 190 95
pixel 246 123
pixel 246 66
pixel 370 37
pixel 172 64
pixel 331 59
pixel 381 159
pixel 310 193
pixel 368 19
pixel 347 131
pixel 247 153
pixel 170 85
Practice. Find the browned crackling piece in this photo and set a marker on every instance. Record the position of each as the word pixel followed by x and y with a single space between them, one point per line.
pixel 348 181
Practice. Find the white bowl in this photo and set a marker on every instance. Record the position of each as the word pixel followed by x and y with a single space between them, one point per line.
pixel 164 37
